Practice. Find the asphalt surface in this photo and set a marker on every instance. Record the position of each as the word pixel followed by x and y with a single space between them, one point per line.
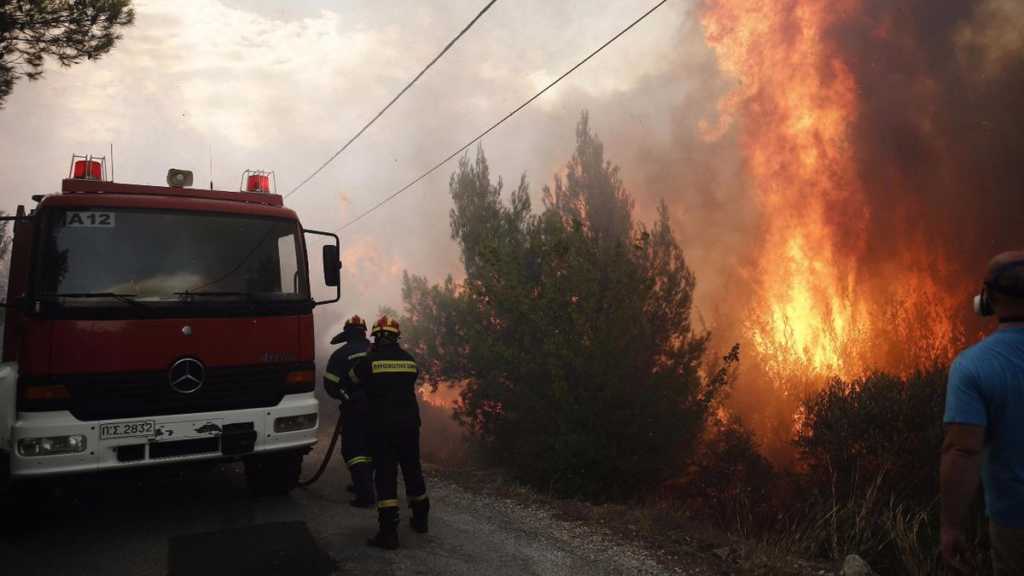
pixel 198 522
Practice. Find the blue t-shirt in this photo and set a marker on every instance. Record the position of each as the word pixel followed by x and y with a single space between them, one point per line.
pixel 986 388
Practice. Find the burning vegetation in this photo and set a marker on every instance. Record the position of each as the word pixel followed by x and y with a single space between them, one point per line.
pixel 882 147
pixel 880 144
pixel 819 307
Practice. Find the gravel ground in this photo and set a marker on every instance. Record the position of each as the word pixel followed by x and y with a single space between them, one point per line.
pixel 509 537
pixel 473 532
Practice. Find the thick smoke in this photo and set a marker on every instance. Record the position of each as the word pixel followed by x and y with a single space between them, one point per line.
pixel 655 133
pixel 940 134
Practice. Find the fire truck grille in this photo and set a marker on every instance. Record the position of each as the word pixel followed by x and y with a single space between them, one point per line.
pixel 108 396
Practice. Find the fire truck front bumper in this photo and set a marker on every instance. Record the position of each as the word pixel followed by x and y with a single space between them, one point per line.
pixel 57 443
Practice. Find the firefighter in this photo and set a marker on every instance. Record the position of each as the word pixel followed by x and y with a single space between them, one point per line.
pixel 388 374
pixel 355 409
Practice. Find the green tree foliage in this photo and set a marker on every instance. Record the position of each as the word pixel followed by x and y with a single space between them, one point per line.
pixel 68 31
pixel 571 332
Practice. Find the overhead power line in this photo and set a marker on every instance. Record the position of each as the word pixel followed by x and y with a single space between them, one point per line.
pixel 476 139
pixel 393 100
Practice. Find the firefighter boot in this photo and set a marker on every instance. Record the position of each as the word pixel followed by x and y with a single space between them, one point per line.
pixel 362 478
pixel 387 530
pixel 420 512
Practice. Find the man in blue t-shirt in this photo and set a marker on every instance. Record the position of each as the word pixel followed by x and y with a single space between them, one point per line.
pixel 985 425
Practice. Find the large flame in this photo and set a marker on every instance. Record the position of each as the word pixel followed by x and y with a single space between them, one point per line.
pixel 822 306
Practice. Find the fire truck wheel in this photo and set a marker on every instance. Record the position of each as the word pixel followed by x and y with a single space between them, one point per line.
pixel 273 474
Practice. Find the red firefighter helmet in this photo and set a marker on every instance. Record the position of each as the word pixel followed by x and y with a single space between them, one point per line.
pixel 384 326
pixel 355 322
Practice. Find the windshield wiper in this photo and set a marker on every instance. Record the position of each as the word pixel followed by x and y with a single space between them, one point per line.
pixel 187 294
pixel 125 298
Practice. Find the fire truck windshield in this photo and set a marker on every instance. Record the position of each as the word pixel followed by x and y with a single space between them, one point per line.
pixel 160 255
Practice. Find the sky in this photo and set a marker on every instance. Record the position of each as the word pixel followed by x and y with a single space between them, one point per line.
pixel 281 85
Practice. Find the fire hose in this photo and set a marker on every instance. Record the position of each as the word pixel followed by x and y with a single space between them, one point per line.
pixel 327 457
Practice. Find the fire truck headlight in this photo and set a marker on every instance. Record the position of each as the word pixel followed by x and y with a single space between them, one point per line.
pixel 52 445
pixel 295 423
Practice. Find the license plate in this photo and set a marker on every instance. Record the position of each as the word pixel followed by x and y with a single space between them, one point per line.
pixel 142 428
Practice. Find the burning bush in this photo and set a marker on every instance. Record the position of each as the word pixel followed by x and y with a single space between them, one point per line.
pixel 443 442
pixel 865 480
pixel 730 483
pixel 853 433
pixel 869 483
pixel 571 331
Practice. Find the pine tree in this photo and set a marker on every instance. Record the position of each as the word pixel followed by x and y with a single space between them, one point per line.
pixel 68 31
pixel 571 333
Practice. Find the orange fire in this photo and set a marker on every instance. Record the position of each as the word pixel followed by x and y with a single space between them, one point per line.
pixel 445 396
pixel 822 306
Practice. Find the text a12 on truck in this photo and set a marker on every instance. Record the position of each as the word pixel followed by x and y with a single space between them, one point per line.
pixel 150 325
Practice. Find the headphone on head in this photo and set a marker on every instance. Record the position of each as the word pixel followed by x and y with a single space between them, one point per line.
pixel 983 301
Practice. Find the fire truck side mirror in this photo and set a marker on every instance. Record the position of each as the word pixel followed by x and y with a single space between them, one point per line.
pixel 332 265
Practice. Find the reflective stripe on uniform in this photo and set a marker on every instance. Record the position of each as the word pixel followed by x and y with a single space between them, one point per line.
pixel 352 376
pixel 419 498
pixel 357 355
pixel 392 503
pixel 359 460
pixel 394 366
pixel 332 377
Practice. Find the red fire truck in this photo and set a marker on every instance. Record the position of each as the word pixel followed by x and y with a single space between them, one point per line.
pixel 149 325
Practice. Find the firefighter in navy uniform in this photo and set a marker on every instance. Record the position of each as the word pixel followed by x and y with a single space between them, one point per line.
pixel 388 374
pixel 355 409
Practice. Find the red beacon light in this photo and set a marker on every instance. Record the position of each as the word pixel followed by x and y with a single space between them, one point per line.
pixel 260 181
pixel 87 167
pixel 257 183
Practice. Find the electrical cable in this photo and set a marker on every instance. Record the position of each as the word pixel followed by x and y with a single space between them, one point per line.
pixel 499 122
pixel 393 100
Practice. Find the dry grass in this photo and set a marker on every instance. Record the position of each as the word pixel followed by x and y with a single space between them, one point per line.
pixel 895 537
pixel 912 531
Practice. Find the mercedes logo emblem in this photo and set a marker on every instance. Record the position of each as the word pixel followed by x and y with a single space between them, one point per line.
pixel 187 375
